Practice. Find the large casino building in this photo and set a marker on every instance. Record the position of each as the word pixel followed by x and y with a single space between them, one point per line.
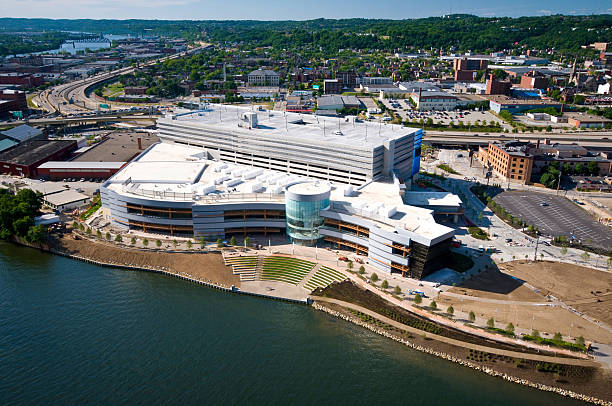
pixel 318 180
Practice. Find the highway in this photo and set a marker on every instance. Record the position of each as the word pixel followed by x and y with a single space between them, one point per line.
pixel 57 99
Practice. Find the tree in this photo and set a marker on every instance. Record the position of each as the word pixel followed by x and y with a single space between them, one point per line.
pixel 384 284
pixel 510 328
pixel 36 234
pixel 189 244
pixel 133 240
pixel 108 236
pixel 174 243
pixel 349 265
pixel 233 240
pixel 491 323
pixel 557 337
pixel 219 243
pixel 433 304
pixel 247 241
pixel 118 238
pixel 472 317
pixel 145 242
pixel 98 233
pixel 593 168
pixel 203 242
pixel 609 262
pixel 450 310
pixel 580 340
pixel 374 277
pixel 564 250
pixel 158 243
pixel 75 224
pixel 88 232
pixel 362 268
pixel 418 299
pixel 535 333
pixel 397 290
pixel 585 256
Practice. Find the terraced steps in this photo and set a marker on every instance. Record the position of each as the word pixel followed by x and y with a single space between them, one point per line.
pixel 244 266
pixel 285 269
pixel 324 277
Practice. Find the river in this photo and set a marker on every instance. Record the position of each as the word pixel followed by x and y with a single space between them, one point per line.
pixel 75 333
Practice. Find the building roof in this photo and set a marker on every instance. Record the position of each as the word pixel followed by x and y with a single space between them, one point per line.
pixel 70 165
pixel 505 100
pixel 31 152
pixel 22 133
pixel 587 118
pixel 7 144
pixel 329 100
pixel 414 86
pixel 118 147
pixel 266 72
pixel 65 197
pixel 432 199
pixel 292 127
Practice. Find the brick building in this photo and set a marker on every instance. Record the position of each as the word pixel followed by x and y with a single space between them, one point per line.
pixel 497 86
pixel 511 160
pixel 533 80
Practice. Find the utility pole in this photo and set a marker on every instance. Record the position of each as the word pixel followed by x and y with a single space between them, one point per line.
pixel 559 181
pixel 535 255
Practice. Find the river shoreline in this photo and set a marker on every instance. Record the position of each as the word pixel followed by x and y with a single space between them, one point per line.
pixel 233 289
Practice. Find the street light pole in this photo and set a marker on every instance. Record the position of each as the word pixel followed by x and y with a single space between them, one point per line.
pixel 535 255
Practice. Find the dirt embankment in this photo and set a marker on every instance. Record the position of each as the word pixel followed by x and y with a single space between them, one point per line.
pixel 204 266
pixel 585 380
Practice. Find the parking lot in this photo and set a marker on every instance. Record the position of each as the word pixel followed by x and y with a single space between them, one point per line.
pixel 556 216
pixel 405 110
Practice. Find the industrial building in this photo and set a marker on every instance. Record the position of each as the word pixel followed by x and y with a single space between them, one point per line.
pixel 24 159
pixel 498 103
pixel 263 77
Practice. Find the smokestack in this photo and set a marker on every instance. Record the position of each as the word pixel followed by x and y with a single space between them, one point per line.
pixel 139 143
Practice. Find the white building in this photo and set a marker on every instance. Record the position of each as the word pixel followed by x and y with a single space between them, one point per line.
pixel 263 77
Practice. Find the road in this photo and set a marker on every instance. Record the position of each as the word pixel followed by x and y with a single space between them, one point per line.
pixel 599 139
pixel 58 98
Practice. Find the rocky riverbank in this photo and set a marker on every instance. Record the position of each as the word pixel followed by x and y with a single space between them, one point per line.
pixel 487 370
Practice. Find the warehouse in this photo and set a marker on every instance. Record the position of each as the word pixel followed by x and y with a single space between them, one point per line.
pixel 24 159
pixel 79 169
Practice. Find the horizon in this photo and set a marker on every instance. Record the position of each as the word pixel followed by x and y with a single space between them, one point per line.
pixel 277 10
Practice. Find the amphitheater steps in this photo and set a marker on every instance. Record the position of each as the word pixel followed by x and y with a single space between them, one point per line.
pixel 259 268
pixel 308 276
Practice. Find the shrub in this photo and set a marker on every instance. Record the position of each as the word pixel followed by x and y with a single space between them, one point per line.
pixel 189 244
pixel 118 238
pixel 158 243
pixel 374 277
pixel 433 304
pixel 557 337
pixel 361 269
pixel 385 284
pixel 108 236
pixel 75 224
pixel 472 317
pixel 145 242
pixel 88 231
pixel 418 299
pixel 98 233
pixel 81 226
pixel 233 240
pixel 174 243
pixel 397 290
pixel 133 240
pixel 580 340
pixel 450 310
pixel 349 264
pixel 491 323
pixel 219 243
pixel 510 328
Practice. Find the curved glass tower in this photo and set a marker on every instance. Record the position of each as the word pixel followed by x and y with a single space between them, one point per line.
pixel 303 203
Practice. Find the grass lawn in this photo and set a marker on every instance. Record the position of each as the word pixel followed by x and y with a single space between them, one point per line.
pixel 448 169
pixel 113 89
pixel 478 233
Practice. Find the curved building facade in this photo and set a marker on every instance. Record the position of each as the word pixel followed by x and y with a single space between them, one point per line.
pixel 303 204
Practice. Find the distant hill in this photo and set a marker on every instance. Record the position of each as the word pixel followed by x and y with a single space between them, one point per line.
pixel 565 33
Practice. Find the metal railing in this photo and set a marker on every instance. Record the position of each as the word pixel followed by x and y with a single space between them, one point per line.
pixel 212 198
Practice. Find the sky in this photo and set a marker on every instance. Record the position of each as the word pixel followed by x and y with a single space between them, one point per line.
pixel 292 10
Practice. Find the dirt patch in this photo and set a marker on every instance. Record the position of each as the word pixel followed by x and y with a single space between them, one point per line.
pixel 586 289
pixel 493 284
pixel 204 266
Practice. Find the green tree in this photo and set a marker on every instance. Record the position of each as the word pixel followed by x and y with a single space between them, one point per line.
pixel 247 241
pixel 491 323
pixel 362 268
pixel 450 310
pixel 472 317
pixel 349 265
pixel 81 226
pixel 374 277
pixel 384 284
pixel 535 333
pixel 145 242
pixel 203 242
pixel 564 250
pixel 108 236
pixel 219 243
pixel 397 290
pixel 609 262
pixel 88 232
pixel 418 299
pixel 98 233
pixel 557 337
pixel 133 240
pixel 585 256
pixel 433 304
pixel 158 243
pixel 75 224
pixel 174 243
pixel 580 340
pixel 118 238
pixel 510 328
pixel 36 234
pixel 233 241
